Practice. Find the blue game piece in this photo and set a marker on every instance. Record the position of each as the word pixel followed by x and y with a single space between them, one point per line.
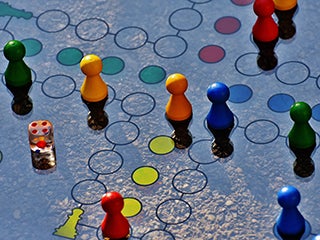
pixel 290 223
pixel 220 116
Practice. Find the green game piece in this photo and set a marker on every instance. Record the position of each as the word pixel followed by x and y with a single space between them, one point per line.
pixel 301 135
pixel 68 229
pixel 18 77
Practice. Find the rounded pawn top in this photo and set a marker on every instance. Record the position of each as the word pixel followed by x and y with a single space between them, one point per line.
pixel 14 50
pixel 300 112
pixel 218 92
pixel 176 83
pixel 263 8
pixel 289 197
pixel 91 65
pixel 112 202
pixel 284 5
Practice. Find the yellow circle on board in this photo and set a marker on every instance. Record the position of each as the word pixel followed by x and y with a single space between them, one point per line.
pixel 161 145
pixel 145 176
pixel 132 207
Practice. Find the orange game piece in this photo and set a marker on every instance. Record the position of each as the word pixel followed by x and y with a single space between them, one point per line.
pixel 93 89
pixel 178 107
pixel 114 225
pixel 284 5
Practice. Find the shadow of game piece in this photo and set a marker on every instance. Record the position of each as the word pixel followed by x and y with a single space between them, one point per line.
pixel 285 11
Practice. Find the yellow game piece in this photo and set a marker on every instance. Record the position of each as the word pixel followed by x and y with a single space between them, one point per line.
pixel 284 5
pixel 93 89
pixel 178 107
pixel 68 229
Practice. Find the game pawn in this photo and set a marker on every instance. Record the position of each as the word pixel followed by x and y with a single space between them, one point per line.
pixel 18 77
pixel 114 226
pixel 265 34
pixel 285 11
pixel 179 110
pixel 302 139
pixel 220 119
pixel 94 92
pixel 290 224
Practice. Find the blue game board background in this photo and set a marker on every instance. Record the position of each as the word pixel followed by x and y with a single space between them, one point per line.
pixel 196 196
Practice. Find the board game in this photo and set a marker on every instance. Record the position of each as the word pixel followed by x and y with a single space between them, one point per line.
pixel 169 193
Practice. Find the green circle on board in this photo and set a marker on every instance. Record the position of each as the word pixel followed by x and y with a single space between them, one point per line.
pixel 70 56
pixel 33 46
pixel 132 207
pixel 161 145
pixel 152 74
pixel 112 65
pixel 145 176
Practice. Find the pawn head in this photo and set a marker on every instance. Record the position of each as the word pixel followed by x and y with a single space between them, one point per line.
pixel 263 8
pixel 218 92
pixel 288 197
pixel 14 50
pixel 112 202
pixel 300 112
pixel 176 83
pixel 91 65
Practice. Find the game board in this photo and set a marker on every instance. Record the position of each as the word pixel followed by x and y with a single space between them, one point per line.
pixel 169 193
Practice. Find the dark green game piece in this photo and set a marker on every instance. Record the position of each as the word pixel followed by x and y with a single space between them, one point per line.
pixel 302 140
pixel 18 77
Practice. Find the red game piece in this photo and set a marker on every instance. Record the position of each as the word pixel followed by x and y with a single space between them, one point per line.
pixel 265 28
pixel 114 224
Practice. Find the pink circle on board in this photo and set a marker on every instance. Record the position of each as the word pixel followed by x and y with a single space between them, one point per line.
pixel 227 25
pixel 211 54
pixel 242 2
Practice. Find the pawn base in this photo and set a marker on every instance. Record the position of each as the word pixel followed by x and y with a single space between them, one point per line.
pixel 183 140
pixel 303 168
pixel 287 28
pixel 267 59
pixel 22 106
pixel 125 238
pixel 222 150
pixel 97 122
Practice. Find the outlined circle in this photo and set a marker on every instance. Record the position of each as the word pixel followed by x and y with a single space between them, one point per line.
pixel 88 192
pixel 240 93
pixel 122 132
pixel 316 112
pixel 53 21
pixel 227 25
pixel 112 65
pixel 161 145
pixel 280 102
pixel 145 175
pixel 152 74
pixel 244 65
pixel 211 54
pixel 158 234
pixel 292 72
pixel 69 56
pixel 138 104
pixel 105 162
pixel 130 38
pixel 185 19
pixel 132 207
pixel 170 46
pixel 5 37
pixel 261 131
pixel 92 29
pixel 33 46
pixel 58 86
pixel 173 211
pixel 189 181
pixel 200 152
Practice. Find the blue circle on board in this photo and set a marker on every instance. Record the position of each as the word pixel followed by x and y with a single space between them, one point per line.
pixel 240 93
pixel 92 29
pixel 131 38
pixel 280 102
pixel 158 234
pixel 292 72
pixel 262 131
pixel 97 162
pixel 190 181
pixel 53 21
pixel 58 86
pixel 170 46
pixel 88 192
pixel 316 112
pixel 122 132
pixel 246 65
pixel 185 19
pixel 138 104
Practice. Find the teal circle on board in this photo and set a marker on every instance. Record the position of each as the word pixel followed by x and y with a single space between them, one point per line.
pixel 152 74
pixel 69 56
pixel 112 65
pixel 33 46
